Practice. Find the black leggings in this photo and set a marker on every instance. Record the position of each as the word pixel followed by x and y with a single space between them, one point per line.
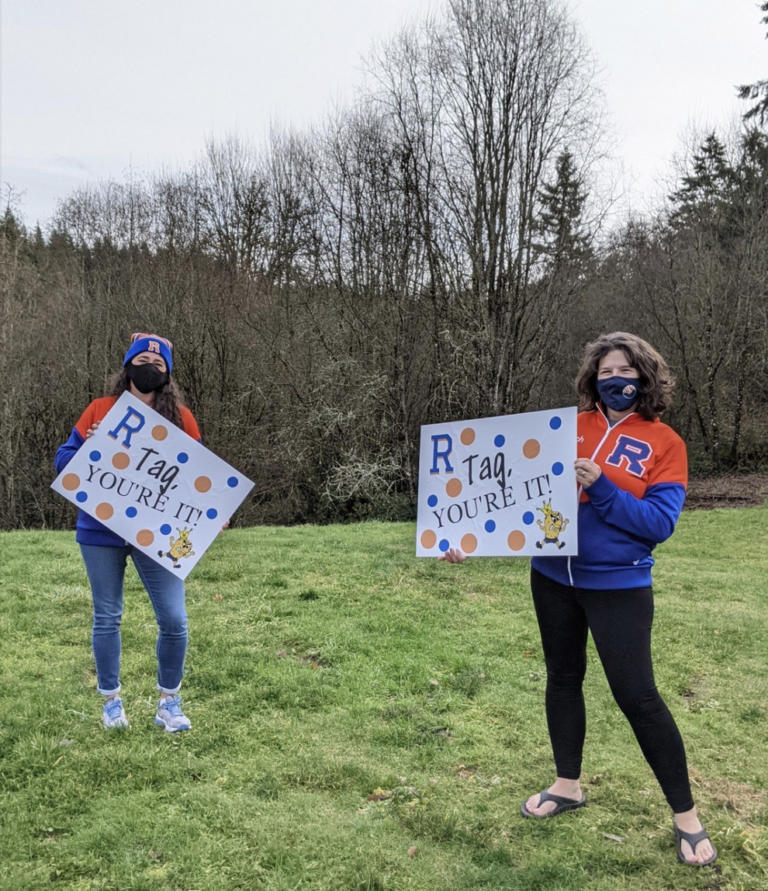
pixel 620 622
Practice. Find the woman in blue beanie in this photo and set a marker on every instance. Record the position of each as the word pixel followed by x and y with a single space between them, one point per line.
pixel 146 374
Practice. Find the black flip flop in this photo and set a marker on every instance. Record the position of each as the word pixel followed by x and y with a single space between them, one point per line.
pixel 562 804
pixel 693 838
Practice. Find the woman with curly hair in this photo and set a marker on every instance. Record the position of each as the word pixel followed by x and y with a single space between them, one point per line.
pixel 146 374
pixel 632 473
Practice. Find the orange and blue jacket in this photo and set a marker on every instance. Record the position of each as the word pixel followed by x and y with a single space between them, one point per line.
pixel 631 507
pixel 88 530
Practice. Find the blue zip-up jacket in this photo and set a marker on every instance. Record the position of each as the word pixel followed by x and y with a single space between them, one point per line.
pixel 631 507
pixel 89 530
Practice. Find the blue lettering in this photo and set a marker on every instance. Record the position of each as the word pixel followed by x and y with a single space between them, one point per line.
pixel 124 424
pixel 631 454
pixel 437 453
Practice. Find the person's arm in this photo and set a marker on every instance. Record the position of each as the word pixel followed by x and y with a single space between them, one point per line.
pixel 652 517
pixel 86 426
pixel 189 424
pixel 66 451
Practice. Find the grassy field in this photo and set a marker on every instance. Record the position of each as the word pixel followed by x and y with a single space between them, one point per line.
pixel 366 720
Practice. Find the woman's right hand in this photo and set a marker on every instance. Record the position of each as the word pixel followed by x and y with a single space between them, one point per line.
pixel 453 555
pixel 91 430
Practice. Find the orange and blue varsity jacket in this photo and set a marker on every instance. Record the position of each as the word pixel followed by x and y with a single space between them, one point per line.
pixel 631 507
pixel 88 530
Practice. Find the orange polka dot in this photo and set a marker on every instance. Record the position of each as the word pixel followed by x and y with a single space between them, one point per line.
pixel 468 543
pixel 453 488
pixel 516 540
pixel 104 511
pixel 120 460
pixel 70 482
pixel 145 537
pixel 467 436
pixel 159 432
pixel 531 448
pixel 428 539
pixel 202 484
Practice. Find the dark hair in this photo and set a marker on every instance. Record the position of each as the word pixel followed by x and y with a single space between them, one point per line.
pixel 656 380
pixel 167 399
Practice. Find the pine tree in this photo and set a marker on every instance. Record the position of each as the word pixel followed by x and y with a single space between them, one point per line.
pixel 564 240
pixel 758 90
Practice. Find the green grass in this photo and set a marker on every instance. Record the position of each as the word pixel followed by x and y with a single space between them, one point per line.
pixel 366 720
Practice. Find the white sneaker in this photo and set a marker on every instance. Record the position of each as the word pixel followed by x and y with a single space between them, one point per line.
pixel 113 714
pixel 170 715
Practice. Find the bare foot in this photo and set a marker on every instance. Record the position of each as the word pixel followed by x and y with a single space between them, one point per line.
pixel 566 788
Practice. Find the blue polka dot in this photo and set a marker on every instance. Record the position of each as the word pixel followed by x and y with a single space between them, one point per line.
pixel 81 497
pixel 232 482
pixel 95 455
pixel 557 468
pixel 165 529
pixel 490 525
pixel 528 518
pixel 211 513
pixel 555 423
pixel 444 545
pixel 432 500
pixel 130 512
pixel 182 457
pixel 499 441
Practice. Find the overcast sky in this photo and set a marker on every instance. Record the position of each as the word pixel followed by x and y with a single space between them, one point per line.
pixel 91 89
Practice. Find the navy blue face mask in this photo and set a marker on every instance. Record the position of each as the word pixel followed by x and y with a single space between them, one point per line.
pixel 618 393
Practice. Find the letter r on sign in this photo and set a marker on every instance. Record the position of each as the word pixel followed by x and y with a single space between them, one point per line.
pixel 445 439
pixel 632 453
pixel 125 424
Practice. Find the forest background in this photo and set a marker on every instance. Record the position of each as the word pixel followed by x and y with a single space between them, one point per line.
pixel 437 250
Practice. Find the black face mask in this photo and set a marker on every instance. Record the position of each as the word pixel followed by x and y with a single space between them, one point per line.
pixel 147 378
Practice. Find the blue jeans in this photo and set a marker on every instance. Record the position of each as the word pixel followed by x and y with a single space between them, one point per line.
pixel 106 568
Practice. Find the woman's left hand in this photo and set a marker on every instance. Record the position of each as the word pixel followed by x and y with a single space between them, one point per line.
pixel 586 472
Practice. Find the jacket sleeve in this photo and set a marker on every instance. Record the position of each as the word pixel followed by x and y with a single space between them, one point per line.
pixel 652 517
pixel 66 451
pixel 189 424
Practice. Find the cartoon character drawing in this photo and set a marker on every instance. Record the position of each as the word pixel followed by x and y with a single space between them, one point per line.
pixel 552 525
pixel 180 547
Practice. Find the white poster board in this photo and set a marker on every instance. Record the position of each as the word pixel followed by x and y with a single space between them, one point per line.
pixel 150 483
pixel 502 486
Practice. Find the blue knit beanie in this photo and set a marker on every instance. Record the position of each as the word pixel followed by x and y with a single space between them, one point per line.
pixel 150 343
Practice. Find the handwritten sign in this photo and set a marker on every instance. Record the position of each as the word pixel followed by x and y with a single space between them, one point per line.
pixel 502 486
pixel 149 482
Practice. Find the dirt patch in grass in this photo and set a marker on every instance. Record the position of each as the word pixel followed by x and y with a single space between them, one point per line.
pixel 750 490
pixel 741 799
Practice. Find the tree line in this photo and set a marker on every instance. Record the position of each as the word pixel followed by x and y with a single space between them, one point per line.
pixel 434 251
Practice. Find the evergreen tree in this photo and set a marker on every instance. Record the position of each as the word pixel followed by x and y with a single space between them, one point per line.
pixel 758 90
pixel 564 239
pixel 704 191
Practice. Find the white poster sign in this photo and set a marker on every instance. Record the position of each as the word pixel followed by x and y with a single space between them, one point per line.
pixel 150 483
pixel 502 486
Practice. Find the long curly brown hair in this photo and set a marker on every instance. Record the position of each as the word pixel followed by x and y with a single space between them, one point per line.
pixel 656 380
pixel 167 399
